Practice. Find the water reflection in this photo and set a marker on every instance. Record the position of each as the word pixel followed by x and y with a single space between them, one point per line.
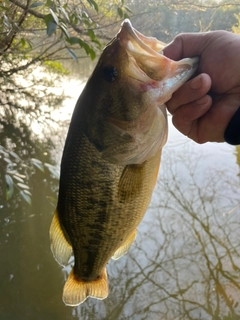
pixel 199 257
pixel 186 260
pixel 184 264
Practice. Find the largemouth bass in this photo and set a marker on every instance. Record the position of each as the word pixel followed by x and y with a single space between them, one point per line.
pixel 111 158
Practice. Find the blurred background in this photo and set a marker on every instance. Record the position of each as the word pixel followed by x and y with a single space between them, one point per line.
pixel 185 261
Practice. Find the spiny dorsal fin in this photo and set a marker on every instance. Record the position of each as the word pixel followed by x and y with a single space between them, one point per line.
pixel 125 247
pixel 77 291
pixel 61 248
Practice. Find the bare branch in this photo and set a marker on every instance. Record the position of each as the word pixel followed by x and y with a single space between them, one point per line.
pixel 33 12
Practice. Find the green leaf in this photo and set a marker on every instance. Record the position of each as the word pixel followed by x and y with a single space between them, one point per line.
pixel 27 192
pixel 73 40
pixel 93 4
pixel 54 16
pixel 13 154
pixel 6 21
pixel 91 34
pixel 85 15
pixel 92 53
pixel 51 28
pixel 51 24
pixel 18 179
pixel 56 67
pixel 10 188
pixel 29 44
pixel 128 9
pixel 36 4
pixel 4 8
pixel 72 54
pixel 53 169
pixel 64 29
pixel 84 45
pixel 81 43
pixel 74 19
pixel 26 197
pixel 49 3
pixel 120 12
pixel 23 42
pixel 7 160
pixel 2 149
pixel 20 175
pixel 22 186
pixel 38 164
pixel 64 13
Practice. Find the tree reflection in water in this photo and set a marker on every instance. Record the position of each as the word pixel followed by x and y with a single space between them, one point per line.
pixel 185 262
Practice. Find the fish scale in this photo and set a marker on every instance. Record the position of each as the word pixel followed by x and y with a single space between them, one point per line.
pixel 117 220
pixel 111 158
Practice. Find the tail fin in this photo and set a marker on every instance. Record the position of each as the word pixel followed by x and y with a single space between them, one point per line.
pixel 77 291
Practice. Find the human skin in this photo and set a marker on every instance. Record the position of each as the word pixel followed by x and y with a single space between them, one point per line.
pixel 203 107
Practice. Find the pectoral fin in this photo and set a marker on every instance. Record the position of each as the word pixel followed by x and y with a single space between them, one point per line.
pixel 125 247
pixel 131 182
pixel 77 291
pixel 60 247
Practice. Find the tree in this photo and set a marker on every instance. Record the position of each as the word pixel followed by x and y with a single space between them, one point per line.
pixel 67 24
pixel 36 34
pixel 165 19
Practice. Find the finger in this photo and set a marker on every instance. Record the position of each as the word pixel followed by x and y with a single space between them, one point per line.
pixel 185 45
pixel 212 125
pixel 185 118
pixel 189 92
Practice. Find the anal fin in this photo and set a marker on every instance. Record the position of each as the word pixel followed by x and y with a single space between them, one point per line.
pixel 77 291
pixel 125 247
pixel 60 247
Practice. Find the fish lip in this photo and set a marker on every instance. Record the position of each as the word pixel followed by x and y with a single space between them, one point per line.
pixel 130 38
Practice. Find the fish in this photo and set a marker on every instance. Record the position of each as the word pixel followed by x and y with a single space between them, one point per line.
pixel 111 158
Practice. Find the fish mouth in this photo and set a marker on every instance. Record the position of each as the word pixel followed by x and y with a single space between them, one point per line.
pixel 134 41
pixel 149 66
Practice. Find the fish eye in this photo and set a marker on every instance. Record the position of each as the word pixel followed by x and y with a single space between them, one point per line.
pixel 110 73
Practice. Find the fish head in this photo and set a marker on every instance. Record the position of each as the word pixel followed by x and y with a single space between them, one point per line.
pixel 148 69
pixel 132 81
pixel 134 63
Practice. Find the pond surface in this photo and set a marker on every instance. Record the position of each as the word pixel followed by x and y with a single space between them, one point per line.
pixel 184 263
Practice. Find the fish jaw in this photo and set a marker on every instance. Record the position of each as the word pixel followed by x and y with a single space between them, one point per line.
pixel 140 43
pixel 150 69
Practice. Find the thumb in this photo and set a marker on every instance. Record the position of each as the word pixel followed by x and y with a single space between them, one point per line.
pixel 186 45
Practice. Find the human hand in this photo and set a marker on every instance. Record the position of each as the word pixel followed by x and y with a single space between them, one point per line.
pixel 201 114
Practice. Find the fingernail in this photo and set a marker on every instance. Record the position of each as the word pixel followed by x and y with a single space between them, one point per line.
pixel 196 83
pixel 232 133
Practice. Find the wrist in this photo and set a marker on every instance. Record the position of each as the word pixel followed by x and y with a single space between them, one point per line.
pixel 232 132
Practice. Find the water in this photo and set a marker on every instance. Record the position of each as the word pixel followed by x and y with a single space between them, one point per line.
pixel 184 263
